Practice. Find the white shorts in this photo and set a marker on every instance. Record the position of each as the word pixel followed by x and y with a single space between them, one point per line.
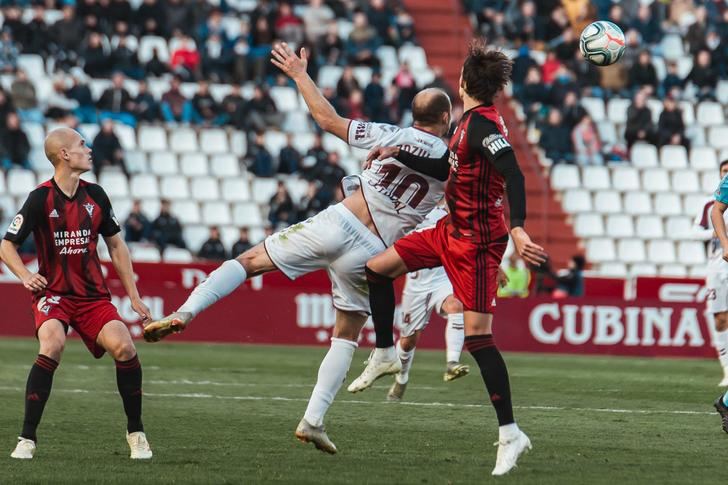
pixel 717 299
pixel 335 240
pixel 424 291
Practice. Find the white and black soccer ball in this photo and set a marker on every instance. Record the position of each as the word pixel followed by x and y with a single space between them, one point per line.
pixel 602 43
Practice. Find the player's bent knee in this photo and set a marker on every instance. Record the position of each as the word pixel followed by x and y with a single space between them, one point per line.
pixel 123 351
pixel 408 343
pixel 256 261
pixel 452 305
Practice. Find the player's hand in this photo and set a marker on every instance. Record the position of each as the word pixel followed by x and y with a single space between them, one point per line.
pixel 35 282
pixel 380 153
pixel 502 278
pixel 141 309
pixel 528 250
pixel 287 61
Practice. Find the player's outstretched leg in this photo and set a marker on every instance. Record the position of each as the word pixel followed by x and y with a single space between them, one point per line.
pixel 721 344
pixel 52 338
pixel 512 442
pixel 406 354
pixel 454 339
pixel 721 405
pixel 115 339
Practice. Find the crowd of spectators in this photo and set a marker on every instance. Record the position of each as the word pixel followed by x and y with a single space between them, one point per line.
pixel 550 91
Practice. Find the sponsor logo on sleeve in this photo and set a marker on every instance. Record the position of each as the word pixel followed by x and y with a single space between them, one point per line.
pixel 360 131
pixel 113 218
pixel 496 144
pixel 16 224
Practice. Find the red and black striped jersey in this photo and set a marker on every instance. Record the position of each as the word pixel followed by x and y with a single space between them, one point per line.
pixel 66 231
pixel 475 190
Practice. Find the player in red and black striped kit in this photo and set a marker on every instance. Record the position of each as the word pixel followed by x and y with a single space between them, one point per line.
pixel 66 216
pixel 469 243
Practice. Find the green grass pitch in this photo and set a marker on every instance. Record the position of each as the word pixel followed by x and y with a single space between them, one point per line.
pixel 226 414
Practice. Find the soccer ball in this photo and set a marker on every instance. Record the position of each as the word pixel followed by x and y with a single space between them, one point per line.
pixel 602 43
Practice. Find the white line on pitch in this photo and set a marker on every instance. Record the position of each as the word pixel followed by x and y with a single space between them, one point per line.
pixel 403 403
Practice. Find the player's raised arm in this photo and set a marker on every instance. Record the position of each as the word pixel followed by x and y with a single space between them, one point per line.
pixel 438 168
pixel 323 113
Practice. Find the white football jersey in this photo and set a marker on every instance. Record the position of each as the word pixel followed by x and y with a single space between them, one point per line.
pixel 704 225
pixel 398 197
pixel 429 280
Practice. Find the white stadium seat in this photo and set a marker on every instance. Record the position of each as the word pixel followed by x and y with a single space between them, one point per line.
pixel 136 161
pixel 387 57
pixel 297 122
pixel 188 211
pixel 194 164
pixel 303 142
pixel 144 186
pixel 2 182
pixel 617 110
pixel 660 251
pixel 144 253
pixel 238 143
pixel 709 182
pixel 588 225
pixel 607 202
pixel 595 108
pixel 91 177
pixel 685 182
pixel 263 190
pixel 673 156
pixel 615 270
pixel 649 227
pixel 678 227
pixel 607 133
pixel 216 213
pixel 205 188
pixel 297 188
pixel 631 250
pixel 710 113
pixel 235 189
pixel 565 176
pixel 643 155
pixel 163 163
pixel 285 98
pixel 126 135
pixel 328 76
pixel 672 46
pixel 655 106
pixel 195 235
pixel 35 133
pixel 698 271
pixel 414 56
pixel 718 136
pixel 214 141
pixel 673 270
pixel 643 269
pixel 152 138
pixel 177 255
pixel 655 180
pixel 722 91
pixel 668 204
pixel 247 214
pixel 691 252
pixel 148 43
pixel 637 203
pixel 620 225
pixel 33 66
pixel 600 249
pixel 225 165
pixel 596 177
pixel 703 158
pixel 183 140
pixel 174 187
pixel 332 143
pixel 577 201
pixel 20 182
pixel 693 203
pixel 114 183
pixel 625 179
pixel 274 141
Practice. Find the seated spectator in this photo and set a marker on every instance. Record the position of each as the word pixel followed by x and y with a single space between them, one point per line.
pixel 572 111
pixel 642 74
pixel 213 249
pixel 204 105
pixel 313 202
pixel 331 47
pixel 698 30
pixel 155 67
pixel 639 125
pixel 175 106
pixel 533 94
pixel 550 67
pixel 363 42
pixel 380 16
pixel 613 79
pixel 116 103
pixel 347 83
pixel 67 35
pixel 145 106
pixel 670 126
pixel 403 31
pixel 242 244
pixel 260 161
pixel 166 229
pixel 137 227
pixel 261 44
pixel 23 94
pixel 126 60
pixel 289 158
pixel 522 64
pixel 570 281
pixel 107 150
pixel 703 76
pixel 216 59
pixel 354 106
pixel 587 76
pixel 6 106
pixel 315 159
pixel 672 84
pixel 525 25
pixel 586 142
pixel 405 82
pixel 149 18
pixel 556 139
pixel 178 15
pixel 97 61
pixel 374 108
pixel 331 174
pixel 315 20
pixel 233 108
pixel 518 278
pixel 58 105
pixel 647 25
pixel 37 39
pixel 289 28
pixel 262 111
pixel 566 45
pixel 80 92
pixel 14 144
pixel 9 53
pixel 185 59
pixel 282 211
pixel 240 50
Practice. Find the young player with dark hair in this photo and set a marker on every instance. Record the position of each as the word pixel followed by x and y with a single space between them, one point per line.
pixel 469 243
pixel 66 216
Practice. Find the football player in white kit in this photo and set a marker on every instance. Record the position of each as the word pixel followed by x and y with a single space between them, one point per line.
pixel 382 204
pixel 716 279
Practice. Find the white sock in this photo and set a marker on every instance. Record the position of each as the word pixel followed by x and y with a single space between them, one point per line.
pixel 388 353
pixel 331 376
pixel 721 345
pixel 221 282
pixel 508 432
pixel 454 336
pixel 406 358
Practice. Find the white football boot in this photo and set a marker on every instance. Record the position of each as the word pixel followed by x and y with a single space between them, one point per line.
pixel 308 433
pixel 24 450
pixel 139 446
pixel 509 451
pixel 382 362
